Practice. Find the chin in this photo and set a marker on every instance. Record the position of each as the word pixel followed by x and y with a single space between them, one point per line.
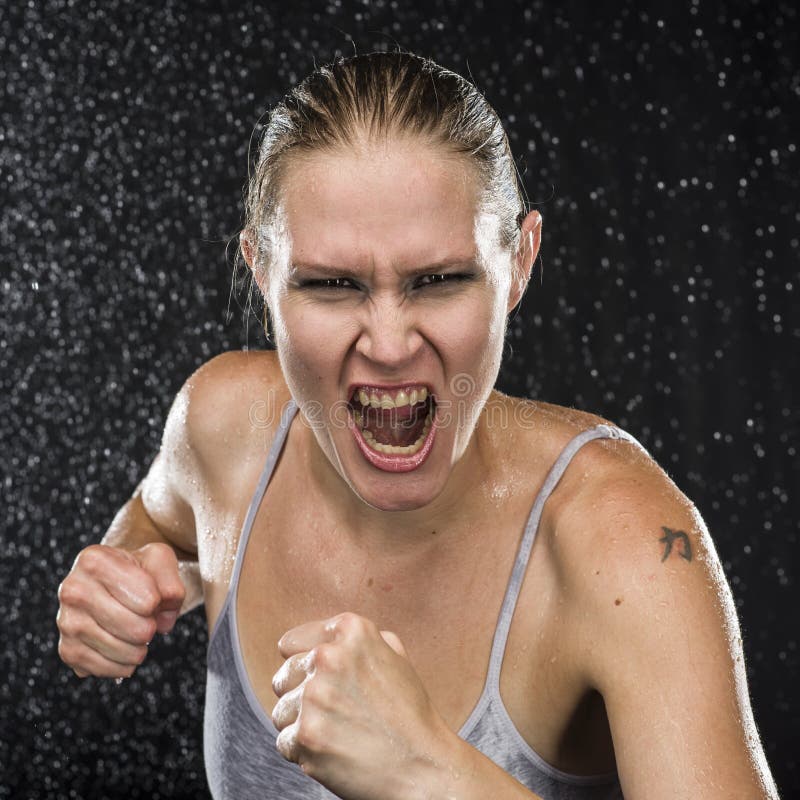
pixel 398 497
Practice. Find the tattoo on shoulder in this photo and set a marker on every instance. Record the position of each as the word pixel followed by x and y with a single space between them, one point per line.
pixel 670 537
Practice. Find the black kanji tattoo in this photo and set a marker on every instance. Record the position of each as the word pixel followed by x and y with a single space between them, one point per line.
pixel 669 537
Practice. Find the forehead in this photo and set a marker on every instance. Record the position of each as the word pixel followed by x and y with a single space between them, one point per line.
pixel 394 202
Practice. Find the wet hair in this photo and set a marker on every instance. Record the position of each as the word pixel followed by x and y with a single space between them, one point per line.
pixel 376 96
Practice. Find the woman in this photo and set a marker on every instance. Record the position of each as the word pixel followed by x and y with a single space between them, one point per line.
pixel 415 585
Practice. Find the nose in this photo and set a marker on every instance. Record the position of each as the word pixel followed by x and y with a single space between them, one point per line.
pixel 389 336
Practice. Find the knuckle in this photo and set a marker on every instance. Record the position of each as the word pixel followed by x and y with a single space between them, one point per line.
pixel 317 693
pixel 65 651
pixel 325 657
pixel 309 734
pixel 141 655
pixel 72 625
pixel 159 556
pixel 164 552
pixel 66 623
pixel 92 558
pixel 149 600
pixel 349 624
pixel 353 626
pixel 70 592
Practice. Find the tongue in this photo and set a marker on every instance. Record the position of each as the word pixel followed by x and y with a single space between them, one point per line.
pixel 396 426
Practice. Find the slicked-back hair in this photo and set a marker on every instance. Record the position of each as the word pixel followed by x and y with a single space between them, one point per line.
pixel 380 96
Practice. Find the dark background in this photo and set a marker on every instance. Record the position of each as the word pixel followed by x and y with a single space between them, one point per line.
pixel 660 143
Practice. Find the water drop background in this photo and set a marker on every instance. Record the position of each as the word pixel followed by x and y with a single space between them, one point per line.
pixel 660 144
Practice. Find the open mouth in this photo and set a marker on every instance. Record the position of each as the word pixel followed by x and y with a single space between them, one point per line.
pixel 394 423
pixel 394 429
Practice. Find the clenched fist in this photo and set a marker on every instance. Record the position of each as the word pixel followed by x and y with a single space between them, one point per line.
pixel 355 715
pixel 112 603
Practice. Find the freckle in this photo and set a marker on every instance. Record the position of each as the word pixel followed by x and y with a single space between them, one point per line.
pixel 433 533
pixel 597 572
pixel 617 601
pixel 370 582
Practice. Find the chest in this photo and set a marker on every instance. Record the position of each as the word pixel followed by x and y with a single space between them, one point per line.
pixel 295 568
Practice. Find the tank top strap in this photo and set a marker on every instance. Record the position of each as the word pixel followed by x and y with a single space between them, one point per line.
pixel 523 554
pixel 289 410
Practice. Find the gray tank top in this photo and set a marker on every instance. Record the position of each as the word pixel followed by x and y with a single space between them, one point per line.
pixel 241 760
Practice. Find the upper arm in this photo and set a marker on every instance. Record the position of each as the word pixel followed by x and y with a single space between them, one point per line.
pixel 661 641
pixel 206 435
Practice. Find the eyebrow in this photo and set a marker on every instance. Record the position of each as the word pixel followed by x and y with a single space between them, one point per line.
pixel 438 266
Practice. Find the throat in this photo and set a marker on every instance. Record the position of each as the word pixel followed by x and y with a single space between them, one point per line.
pixel 398 427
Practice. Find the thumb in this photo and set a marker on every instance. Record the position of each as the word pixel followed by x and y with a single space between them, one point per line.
pixel 161 563
pixel 393 640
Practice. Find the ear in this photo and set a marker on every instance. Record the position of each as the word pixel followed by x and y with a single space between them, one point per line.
pixel 249 245
pixel 530 239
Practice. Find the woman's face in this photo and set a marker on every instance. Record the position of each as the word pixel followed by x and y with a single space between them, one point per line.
pixel 388 287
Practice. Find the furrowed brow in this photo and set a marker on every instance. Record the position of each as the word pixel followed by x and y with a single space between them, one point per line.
pixel 445 265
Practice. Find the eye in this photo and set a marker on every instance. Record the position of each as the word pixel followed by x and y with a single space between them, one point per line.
pixel 439 279
pixel 329 283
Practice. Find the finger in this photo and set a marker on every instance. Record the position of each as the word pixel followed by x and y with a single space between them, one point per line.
pixel 120 622
pixel 286 743
pixel 292 673
pixel 111 648
pixel 96 664
pixel 393 640
pixel 83 597
pixel 161 563
pixel 287 709
pixel 120 574
pixel 311 634
pixel 78 627
pixel 305 637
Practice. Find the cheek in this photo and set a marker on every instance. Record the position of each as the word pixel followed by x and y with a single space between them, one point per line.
pixel 309 340
pixel 476 323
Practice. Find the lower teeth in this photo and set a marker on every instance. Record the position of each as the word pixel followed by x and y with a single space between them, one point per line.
pixel 391 449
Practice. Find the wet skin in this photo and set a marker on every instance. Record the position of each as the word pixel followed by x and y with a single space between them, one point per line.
pixel 624 623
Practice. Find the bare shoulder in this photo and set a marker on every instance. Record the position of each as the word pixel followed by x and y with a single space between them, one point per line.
pixel 533 433
pixel 227 386
pixel 621 528
pixel 221 421
pixel 226 412
pixel 617 516
pixel 653 625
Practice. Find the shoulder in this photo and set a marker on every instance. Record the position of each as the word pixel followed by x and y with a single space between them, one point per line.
pixel 530 435
pixel 617 511
pixel 627 546
pixel 224 415
pixel 638 567
pixel 652 626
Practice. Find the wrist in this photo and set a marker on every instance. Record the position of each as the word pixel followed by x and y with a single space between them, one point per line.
pixel 442 769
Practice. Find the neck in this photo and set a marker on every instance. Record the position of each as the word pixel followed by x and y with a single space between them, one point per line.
pixel 444 522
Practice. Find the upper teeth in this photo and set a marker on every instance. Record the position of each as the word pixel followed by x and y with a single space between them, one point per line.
pixel 393 400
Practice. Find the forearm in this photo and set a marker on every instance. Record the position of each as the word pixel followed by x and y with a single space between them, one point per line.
pixel 132 528
pixel 461 772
